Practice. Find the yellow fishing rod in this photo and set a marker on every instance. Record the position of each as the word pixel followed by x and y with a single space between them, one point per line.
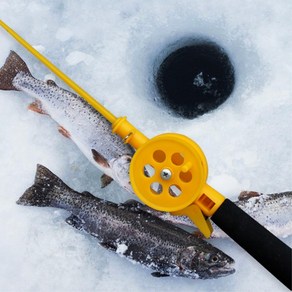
pixel 177 183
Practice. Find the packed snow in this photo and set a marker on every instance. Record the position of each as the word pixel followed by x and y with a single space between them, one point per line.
pixel 112 48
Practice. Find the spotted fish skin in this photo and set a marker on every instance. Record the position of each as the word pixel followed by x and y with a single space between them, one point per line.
pixel 273 211
pixel 133 233
pixel 77 119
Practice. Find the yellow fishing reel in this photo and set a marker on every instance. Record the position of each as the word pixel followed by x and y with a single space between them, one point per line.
pixel 168 172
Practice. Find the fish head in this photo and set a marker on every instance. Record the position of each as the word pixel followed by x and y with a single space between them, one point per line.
pixel 204 263
pixel 120 168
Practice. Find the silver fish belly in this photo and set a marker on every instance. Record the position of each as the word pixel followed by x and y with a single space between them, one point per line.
pixel 137 235
pixel 77 119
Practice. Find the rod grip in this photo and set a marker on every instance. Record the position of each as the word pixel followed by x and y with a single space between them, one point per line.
pixel 261 244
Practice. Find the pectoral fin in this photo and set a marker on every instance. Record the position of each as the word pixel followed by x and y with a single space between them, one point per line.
pixel 105 180
pixel 75 222
pixel 36 107
pixel 99 158
pixel 64 132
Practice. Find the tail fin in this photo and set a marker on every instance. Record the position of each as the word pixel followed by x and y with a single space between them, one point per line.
pixel 13 65
pixel 45 191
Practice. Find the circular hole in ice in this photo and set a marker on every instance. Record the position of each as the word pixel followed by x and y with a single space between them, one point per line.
pixel 195 79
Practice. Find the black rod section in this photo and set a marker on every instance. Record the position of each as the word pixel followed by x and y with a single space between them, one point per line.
pixel 261 244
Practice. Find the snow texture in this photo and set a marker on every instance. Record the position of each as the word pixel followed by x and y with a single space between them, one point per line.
pixel 111 48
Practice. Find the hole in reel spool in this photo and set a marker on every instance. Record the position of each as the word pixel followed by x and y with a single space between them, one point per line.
pixel 156 188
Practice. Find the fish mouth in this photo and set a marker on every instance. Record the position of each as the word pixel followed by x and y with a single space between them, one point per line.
pixel 222 271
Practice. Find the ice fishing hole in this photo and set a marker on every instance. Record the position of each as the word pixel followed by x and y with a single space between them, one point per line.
pixel 195 78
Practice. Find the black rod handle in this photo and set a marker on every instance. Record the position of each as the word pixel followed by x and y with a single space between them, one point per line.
pixel 261 244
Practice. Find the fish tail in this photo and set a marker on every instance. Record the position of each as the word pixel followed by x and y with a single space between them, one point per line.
pixel 46 191
pixel 13 65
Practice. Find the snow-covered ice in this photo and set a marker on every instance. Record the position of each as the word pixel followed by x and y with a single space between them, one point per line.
pixel 111 48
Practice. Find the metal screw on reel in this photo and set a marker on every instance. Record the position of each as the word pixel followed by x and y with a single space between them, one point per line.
pixel 168 172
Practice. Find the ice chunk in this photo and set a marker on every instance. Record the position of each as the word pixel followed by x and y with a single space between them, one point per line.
pixel 77 57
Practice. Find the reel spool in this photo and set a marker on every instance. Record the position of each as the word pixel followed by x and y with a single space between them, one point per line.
pixel 168 172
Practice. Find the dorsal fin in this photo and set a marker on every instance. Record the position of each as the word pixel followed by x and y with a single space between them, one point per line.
pixel 51 82
pixel 246 195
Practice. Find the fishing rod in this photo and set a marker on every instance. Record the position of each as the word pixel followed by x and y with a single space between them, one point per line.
pixel 177 183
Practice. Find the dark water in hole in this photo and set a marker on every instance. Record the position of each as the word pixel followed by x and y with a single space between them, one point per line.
pixel 195 79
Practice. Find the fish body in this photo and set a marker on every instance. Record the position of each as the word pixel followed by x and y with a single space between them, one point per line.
pixel 76 118
pixel 273 211
pixel 137 235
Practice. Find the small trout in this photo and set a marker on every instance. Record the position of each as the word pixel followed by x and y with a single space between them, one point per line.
pixel 76 118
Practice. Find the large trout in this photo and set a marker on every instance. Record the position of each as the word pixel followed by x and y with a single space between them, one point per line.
pixel 131 232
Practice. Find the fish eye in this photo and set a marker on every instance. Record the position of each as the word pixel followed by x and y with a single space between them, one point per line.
pixel 214 259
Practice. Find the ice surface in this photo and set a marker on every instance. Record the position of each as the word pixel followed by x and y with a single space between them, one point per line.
pixel 247 140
